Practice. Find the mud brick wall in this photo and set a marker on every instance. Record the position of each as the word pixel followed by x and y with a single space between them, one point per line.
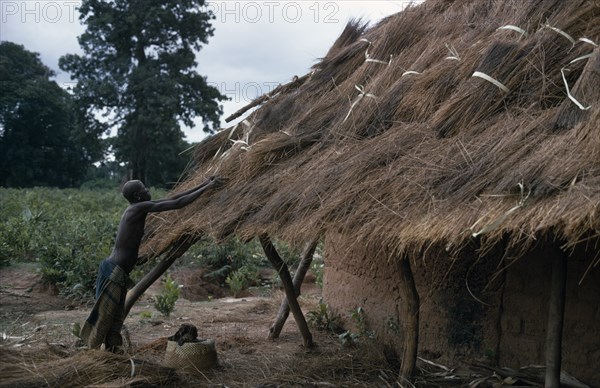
pixel 509 327
pixel 452 323
pixel 525 305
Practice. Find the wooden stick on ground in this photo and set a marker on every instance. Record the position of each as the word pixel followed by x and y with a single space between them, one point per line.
pixel 288 286
pixel 556 314
pixel 284 308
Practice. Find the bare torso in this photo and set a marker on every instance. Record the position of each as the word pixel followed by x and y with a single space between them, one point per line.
pixel 131 226
pixel 129 237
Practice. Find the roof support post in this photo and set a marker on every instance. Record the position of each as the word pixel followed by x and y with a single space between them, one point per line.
pixel 556 314
pixel 284 308
pixel 410 296
pixel 177 249
pixel 288 286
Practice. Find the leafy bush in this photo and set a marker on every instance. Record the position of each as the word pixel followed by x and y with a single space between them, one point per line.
pixel 318 268
pixel 240 280
pixel 231 252
pixel 165 301
pixel 322 318
pixel 349 338
pixel 237 254
pixel 68 232
pixel 359 318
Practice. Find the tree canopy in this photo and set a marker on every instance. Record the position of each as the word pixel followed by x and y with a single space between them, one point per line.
pixel 41 142
pixel 138 70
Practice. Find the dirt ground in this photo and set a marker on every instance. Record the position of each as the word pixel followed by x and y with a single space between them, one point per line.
pixel 38 349
pixel 35 321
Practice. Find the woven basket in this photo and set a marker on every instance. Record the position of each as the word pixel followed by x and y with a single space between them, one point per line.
pixel 191 356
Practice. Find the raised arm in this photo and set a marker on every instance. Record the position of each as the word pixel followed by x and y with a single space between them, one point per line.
pixel 201 185
pixel 177 202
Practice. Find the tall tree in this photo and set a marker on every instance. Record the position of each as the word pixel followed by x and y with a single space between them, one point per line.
pixel 41 143
pixel 138 69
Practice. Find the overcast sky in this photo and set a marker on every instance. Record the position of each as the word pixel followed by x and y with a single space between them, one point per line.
pixel 256 46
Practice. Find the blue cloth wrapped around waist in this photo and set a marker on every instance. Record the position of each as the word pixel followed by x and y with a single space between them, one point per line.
pixel 111 271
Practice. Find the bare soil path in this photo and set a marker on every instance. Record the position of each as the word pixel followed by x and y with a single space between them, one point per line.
pixel 35 320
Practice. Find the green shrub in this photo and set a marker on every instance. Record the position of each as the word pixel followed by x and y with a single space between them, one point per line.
pixel 359 318
pixel 318 268
pixel 349 338
pixel 231 252
pixel 322 318
pixel 236 254
pixel 240 280
pixel 289 254
pixel 145 315
pixel 68 232
pixel 165 301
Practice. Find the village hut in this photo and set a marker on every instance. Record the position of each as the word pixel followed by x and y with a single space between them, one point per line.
pixel 449 158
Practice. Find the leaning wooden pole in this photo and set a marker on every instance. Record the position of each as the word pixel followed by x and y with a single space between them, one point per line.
pixel 410 296
pixel 556 313
pixel 288 286
pixel 178 249
pixel 284 308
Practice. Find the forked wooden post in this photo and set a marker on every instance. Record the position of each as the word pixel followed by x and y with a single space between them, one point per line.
pixel 284 308
pixel 288 286
pixel 411 314
pixel 178 249
pixel 556 313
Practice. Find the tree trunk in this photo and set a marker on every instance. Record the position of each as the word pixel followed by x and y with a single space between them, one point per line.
pixel 288 286
pixel 284 309
pixel 178 249
pixel 556 314
pixel 411 315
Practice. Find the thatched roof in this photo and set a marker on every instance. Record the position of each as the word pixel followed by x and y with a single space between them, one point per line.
pixel 393 139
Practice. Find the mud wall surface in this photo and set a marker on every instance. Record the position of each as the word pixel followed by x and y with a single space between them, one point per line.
pixel 524 319
pixel 469 307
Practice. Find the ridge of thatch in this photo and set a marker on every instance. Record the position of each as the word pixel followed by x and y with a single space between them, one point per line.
pixel 448 121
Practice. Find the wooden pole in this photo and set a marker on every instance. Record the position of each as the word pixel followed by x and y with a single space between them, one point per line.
pixel 288 286
pixel 556 313
pixel 284 308
pixel 411 315
pixel 178 249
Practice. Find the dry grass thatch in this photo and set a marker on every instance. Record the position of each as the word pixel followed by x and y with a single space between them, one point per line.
pixel 357 366
pixel 449 120
pixel 52 368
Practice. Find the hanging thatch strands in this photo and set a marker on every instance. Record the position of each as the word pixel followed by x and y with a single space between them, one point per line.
pixel 308 173
pixel 494 224
pixel 231 132
pixel 132 368
pixel 453 53
pixel 486 77
pixel 588 41
pixel 513 28
pixel 569 37
pixel 373 60
pixel 239 142
pixel 562 72
pixel 362 94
